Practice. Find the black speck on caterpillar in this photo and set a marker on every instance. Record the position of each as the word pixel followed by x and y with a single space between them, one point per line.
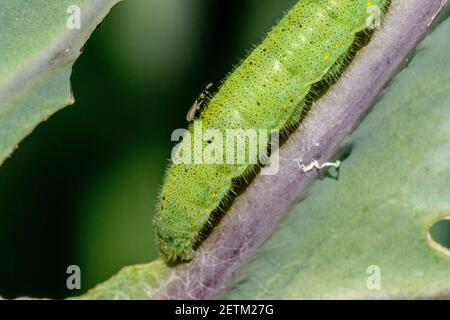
pixel 266 91
pixel 199 103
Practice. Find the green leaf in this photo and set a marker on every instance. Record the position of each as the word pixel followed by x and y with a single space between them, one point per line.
pixel 133 282
pixel 392 187
pixel 38 50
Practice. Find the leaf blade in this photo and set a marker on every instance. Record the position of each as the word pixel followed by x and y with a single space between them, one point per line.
pixel 38 51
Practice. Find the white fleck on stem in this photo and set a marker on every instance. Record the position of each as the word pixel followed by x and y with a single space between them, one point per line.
pixel 315 164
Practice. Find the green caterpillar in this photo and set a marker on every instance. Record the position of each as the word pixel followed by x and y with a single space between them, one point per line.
pixel 267 91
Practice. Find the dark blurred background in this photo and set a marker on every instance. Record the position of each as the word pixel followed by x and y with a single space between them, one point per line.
pixel 81 189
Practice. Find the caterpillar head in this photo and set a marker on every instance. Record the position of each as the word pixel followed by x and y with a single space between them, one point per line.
pixel 176 248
